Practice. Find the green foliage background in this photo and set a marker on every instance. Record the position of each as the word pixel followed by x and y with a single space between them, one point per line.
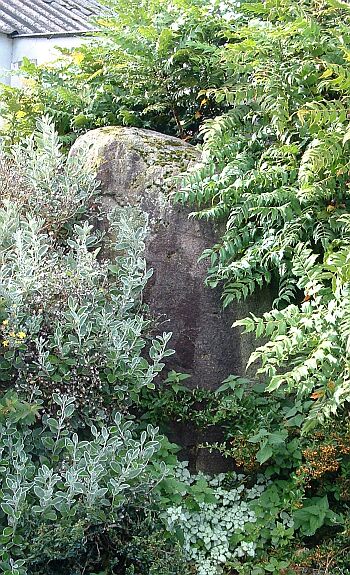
pixel 276 170
pixel 265 88
pixel 145 68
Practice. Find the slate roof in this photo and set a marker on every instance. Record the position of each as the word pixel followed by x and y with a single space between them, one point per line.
pixel 27 17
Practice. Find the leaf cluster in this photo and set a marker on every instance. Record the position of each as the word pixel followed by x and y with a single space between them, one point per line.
pixel 63 495
pixel 144 68
pixel 275 167
pixel 72 321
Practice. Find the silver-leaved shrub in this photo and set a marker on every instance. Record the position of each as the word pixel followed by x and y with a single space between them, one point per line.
pixel 72 318
pixel 76 472
pixel 55 483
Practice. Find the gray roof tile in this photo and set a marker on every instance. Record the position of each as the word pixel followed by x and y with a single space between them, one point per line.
pixel 47 16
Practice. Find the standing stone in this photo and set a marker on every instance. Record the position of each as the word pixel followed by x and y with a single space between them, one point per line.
pixel 138 167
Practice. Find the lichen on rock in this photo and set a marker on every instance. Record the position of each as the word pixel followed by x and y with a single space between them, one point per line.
pixel 137 166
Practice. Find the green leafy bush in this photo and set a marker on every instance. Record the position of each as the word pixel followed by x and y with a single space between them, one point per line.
pixel 275 167
pixel 111 79
pixel 303 477
pixel 245 524
pixel 314 334
pixel 275 172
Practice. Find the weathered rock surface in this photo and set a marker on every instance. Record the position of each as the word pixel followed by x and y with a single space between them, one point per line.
pixel 134 167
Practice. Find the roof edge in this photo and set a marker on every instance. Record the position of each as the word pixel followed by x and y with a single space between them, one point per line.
pixel 14 35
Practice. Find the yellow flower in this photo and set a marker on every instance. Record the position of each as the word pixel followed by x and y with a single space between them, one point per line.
pixel 5 322
pixel 5 343
pixel 21 335
pixel 12 334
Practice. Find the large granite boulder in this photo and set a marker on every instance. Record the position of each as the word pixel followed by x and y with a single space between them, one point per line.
pixel 138 167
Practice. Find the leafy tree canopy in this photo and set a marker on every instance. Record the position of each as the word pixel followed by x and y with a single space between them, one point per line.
pixel 144 68
pixel 276 171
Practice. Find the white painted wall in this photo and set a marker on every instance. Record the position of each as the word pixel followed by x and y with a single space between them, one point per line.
pixel 5 57
pixel 41 49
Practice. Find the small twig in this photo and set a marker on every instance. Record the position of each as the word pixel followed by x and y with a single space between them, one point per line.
pixel 178 123
pixel 331 559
